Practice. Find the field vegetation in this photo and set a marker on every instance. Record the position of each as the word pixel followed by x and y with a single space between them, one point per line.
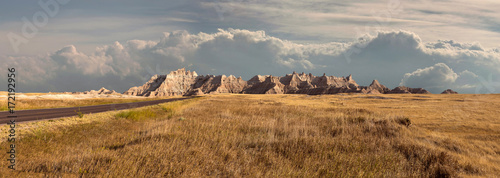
pixel 27 103
pixel 272 136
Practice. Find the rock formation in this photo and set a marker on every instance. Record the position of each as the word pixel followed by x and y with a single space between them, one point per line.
pixel 301 84
pixel 218 84
pixel 375 88
pixel 149 86
pixel 106 91
pixel 449 91
pixel 187 83
pixel 407 90
pixel 173 84
pixel 102 91
pixel 264 85
pixel 195 92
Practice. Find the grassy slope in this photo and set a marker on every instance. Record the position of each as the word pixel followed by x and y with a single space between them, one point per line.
pixel 272 135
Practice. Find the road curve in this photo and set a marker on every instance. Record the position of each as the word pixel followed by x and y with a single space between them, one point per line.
pixel 40 114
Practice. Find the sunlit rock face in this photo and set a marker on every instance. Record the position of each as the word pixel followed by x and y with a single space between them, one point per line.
pixel 187 83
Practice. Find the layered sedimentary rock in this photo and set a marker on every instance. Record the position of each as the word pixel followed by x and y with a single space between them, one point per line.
pixel 375 88
pixel 102 91
pixel 449 91
pixel 195 92
pixel 106 91
pixel 264 85
pixel 148 87
pixel 301 84
pixel 218 84
pixel 407 90
pixel 173 84
pixel 182 82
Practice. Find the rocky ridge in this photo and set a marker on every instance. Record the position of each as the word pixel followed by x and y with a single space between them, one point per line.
pixel 449 91
pixel 407 90
pixel 102 91
pixel 187 83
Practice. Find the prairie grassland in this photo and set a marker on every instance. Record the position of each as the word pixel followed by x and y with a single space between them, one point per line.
pixel 272 135
pixel 26 103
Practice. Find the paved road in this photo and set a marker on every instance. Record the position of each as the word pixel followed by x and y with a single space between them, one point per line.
pixel 39 114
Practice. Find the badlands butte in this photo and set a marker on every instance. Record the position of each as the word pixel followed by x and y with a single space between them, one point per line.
pixel 187 83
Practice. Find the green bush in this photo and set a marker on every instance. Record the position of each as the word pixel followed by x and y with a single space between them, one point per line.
pixel 80 114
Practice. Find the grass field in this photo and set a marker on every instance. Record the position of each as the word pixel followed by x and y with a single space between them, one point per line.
pixel 271 136
pixel 25 103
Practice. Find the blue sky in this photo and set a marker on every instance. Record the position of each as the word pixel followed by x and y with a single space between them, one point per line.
pixel 83 45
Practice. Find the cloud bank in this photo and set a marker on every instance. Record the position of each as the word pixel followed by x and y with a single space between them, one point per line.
pixel 393 57
pixel 440 76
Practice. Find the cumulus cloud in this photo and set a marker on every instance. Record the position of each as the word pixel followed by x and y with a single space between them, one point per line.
pixel 467 80
pixel 227 51
pixel 401 52
pixel 387 56
pixel 438 77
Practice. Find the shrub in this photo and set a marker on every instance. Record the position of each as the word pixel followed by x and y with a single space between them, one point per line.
pixel 80 114
pixel 404 121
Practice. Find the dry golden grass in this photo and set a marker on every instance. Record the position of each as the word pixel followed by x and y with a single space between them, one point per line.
pixel 25 103
pixel 272 136
pixel 4 93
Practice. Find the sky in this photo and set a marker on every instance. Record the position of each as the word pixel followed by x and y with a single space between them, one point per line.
pixel 70 45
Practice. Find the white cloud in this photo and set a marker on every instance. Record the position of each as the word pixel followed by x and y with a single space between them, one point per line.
pixel 467 80
pixel 439 77
pixel 436 76
pixel 385 56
